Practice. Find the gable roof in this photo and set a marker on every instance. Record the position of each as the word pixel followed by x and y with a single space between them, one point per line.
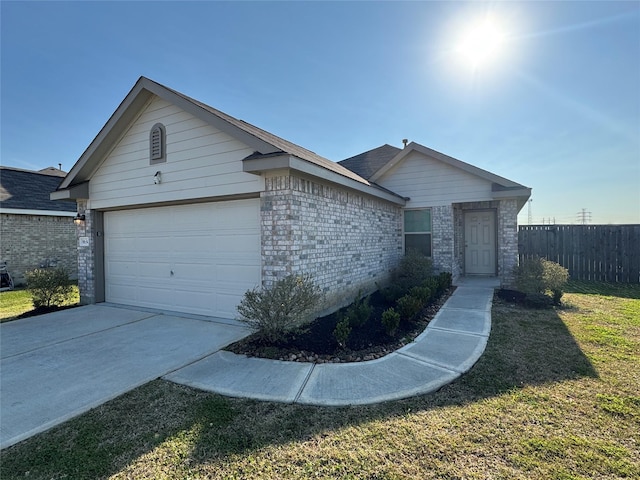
pixel 375 163
pixel 28 190
pixel 500 182
pixel 264 143
pixel 367 163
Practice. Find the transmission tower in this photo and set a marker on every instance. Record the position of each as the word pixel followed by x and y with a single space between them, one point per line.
pixel 584 217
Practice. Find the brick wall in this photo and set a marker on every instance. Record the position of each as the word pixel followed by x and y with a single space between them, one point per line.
pixel 347 241
pixel 86 256
pixel 507 241
pixel 29 241
pixel 442 238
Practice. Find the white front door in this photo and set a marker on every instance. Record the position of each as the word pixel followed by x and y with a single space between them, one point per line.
pixel 480 242
pixel 197 258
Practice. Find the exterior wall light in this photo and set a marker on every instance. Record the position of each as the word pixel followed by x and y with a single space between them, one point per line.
pixel 79 219
pixel 157 178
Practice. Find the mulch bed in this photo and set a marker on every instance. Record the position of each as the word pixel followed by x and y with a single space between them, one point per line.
pixel 315 343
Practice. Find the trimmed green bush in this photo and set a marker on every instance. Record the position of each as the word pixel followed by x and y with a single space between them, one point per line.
pixel 413 270
pixel 392 293
pixel 444 280
pixel 49 286
pixel 358 312
pixel 341 332
pixel 432 284
pixel 391 321
pixel 421 293
pixel 408 307
pixel 537 276
pixel 280 308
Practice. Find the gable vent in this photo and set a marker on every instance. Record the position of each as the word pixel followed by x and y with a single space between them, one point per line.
pixel 157 144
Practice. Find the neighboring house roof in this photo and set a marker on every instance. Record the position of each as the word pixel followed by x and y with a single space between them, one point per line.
pixel 265 144
pixel 28 190
pixel 367 163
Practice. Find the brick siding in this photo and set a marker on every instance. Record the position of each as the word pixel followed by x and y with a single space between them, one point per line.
pixel 347 241
pixel 30 241
pixel 86 257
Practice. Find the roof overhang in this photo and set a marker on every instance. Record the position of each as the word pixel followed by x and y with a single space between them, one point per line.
pixel 45 213
pixel 73 193
pixel 265 163
pixel 521 194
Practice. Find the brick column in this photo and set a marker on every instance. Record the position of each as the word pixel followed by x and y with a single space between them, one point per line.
pixel 86 255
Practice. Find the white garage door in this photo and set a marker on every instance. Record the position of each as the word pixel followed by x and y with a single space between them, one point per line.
pixel 197 258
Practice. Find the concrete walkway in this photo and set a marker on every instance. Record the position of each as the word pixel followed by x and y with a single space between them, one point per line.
pixel 449 347
pixel 57 366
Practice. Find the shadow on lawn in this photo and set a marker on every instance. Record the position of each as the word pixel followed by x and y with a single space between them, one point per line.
pixel 526 347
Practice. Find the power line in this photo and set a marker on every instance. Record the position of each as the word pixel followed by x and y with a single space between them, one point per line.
pixel 584 217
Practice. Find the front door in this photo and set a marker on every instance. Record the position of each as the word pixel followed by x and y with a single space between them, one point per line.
pixel 480 242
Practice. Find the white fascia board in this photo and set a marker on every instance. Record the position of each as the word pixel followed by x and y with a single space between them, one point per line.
pixel 521 192
pixel 46 213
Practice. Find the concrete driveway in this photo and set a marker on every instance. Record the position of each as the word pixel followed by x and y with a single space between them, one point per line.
pixel 56 366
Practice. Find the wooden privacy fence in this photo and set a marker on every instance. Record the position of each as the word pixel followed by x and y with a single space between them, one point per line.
pixel 609 253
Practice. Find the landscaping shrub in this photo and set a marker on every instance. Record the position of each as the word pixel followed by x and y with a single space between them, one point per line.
pixel 391 321
pixel 358 312
pixel 341 332
pixel 282 307
pixel 413 270
pixel 538 276
pixel 408 307
pixel 421 293
pixel 555 279
pixel 392 293
pixel 445 280
pixel 432 284
pixel 49 286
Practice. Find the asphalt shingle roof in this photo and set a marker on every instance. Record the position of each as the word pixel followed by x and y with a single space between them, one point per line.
pixel 27 190
pixel 284 145
pixel 368 163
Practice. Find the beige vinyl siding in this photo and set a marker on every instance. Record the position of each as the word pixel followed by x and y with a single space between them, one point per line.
pixel 201 162
pixel 429 182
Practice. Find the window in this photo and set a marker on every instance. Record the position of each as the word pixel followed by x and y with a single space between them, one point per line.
pixel 157 144
pixel 417 231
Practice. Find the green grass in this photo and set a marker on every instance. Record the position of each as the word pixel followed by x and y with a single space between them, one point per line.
pixel 16 302
pixel 555 395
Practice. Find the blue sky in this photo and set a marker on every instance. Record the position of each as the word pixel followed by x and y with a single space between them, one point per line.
pixel 558 108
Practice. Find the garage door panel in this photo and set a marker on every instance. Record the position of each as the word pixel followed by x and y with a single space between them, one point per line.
pixel 237 243
pixel 213 250
pixel 226 304
pixel 125 292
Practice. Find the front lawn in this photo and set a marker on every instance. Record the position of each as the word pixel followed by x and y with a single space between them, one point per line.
pixel 17 302
pixel 555 395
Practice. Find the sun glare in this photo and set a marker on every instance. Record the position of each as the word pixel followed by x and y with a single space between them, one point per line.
pixel 481 44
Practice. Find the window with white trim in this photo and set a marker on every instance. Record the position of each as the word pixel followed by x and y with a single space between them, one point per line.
pixel 417 231
pixel 157 144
